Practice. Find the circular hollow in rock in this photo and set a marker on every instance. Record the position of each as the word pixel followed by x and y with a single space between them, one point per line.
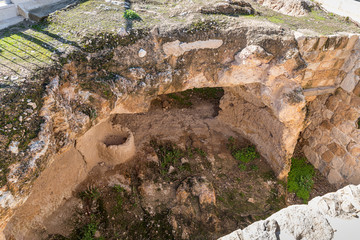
pixel 115 140
pixel 118 146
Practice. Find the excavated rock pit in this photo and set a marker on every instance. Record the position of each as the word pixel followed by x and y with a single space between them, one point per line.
pixel 202 194
pixel 96 123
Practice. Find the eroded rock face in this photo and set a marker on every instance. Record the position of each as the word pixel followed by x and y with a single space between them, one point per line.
pixel 234 7
pixel 270 63
pixel 289 7
pixel 243 108
pixel 320 219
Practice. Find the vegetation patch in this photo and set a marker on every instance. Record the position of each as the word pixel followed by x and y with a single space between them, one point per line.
pixel 300 178
pixel 170 157
pixel 243 155
pixel 131 15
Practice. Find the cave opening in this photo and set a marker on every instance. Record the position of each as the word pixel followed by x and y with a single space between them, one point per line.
pixel 193 175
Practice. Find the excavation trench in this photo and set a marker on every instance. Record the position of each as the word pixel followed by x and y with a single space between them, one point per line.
pixel 169 173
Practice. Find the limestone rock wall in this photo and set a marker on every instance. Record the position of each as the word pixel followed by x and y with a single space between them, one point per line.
pixel 332 216
pixel 243 108
pixel 332 137
pixel 268 73
pixel 331 61
pixel 288 7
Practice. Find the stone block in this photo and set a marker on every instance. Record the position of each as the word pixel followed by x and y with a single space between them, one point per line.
pixel 347 127
pixel 355 135
pixel 326 125
pixel 332 103
pixel 320 149
pixel 343 96
pixel 355 102
pixel 325 139
pixel 307 133
pixel 348 166
pixel 327 114
pixel 357 90
pixel 355 150
pixel 349 83
pixel 337 163
pixel 335 177
pixel 336 149
pixel 327 156
pixel 355 178
pixel 311 156
pixel 340 136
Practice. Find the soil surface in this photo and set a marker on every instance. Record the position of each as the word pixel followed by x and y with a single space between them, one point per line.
pixel 183 183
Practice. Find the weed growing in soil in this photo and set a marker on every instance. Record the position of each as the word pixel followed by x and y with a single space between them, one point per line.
pixel 119 197
pixel 243 155
pixel 131 15
pixel 246 155
pixel 300 178
pixel 170 156
pixel 89 231
pixel 90 194
pixel 182 99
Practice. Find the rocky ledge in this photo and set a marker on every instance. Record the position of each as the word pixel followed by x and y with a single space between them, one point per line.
pixel 332 216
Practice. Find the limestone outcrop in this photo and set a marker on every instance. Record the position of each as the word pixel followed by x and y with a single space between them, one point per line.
pixel 332 216
pixel 289 7
pixel 264 71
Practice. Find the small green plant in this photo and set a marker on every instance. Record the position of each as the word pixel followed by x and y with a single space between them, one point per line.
pixel 200 152
pixel 254 167
pixel 90 194
pixel 276 19
pixel 182 99
pixel 358 123
pixel 131 15
pixel 119 189
pixel 168 155
pixel 246 155
pixel 242 167
pixel 89 231
pixel 300 178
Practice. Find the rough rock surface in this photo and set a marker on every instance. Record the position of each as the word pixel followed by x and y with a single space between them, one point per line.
pixel 331 139
pixel 229 8
pixel 80 96
pixel 110 73
pixel 318 220
pixel 289 7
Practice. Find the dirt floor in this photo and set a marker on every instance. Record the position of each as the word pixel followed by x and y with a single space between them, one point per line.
pixel 185 181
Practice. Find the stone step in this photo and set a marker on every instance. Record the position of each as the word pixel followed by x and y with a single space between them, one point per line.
pixel 38 9
pixel 40 13
pixel 11 21
pixel 7 11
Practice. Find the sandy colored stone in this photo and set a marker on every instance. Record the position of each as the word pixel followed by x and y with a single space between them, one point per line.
pixel 336 149
pixel 332 103
pixel 326 125
pixel 327 156
pixel 337 163
pixel 335 177
pixel 348 167
pixel 340 136
pixel 288 7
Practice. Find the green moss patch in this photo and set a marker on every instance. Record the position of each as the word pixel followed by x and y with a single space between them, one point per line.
pixel 300 178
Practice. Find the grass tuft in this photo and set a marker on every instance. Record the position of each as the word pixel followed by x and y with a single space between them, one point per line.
pixel 300 178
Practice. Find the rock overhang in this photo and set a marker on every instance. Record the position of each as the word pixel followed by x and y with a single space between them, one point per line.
pixel 208 54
